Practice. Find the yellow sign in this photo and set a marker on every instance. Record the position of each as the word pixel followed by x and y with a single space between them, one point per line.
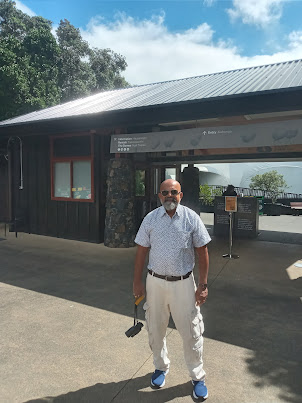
pixel 231 204
pixel 74 189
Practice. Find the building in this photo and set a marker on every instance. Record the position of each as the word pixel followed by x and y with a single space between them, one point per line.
pixel 240 174
pixel 69 170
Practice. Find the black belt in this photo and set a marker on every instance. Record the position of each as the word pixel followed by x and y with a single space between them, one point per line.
pixel 169 278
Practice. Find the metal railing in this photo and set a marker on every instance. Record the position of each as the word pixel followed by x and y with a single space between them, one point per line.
pixel 255 192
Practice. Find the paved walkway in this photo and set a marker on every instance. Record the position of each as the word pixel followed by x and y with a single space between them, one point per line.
pixel 65 306
pixel 285 228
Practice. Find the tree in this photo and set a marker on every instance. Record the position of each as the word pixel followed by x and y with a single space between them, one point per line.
pixel 12 21
pixel 270 182
pixel 43 53
pixel 75 76
pixel 107 66
pixel 28 57
pixel 208 193
pixel 37 70
pixel 83 70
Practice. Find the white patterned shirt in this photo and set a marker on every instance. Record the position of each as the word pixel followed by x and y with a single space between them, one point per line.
pixel 172 240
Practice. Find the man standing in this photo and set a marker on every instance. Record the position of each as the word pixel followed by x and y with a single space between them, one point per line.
pixel 171 233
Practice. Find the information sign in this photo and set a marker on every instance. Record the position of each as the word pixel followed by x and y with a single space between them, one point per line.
pixel 231 204
pixel 264 137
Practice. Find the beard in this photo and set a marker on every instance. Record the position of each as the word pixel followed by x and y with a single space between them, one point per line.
pixel 169 204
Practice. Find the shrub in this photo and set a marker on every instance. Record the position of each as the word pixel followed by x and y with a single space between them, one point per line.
pixel 207 194
pixel 270 182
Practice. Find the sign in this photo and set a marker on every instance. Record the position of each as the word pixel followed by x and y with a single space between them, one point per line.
pixel 259 135
pixel 230 204
pixel 246 219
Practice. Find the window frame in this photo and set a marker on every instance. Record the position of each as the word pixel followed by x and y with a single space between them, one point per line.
pixel 71 160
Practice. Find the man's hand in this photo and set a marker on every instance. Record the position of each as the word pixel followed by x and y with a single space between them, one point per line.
pixel 201 295
pixel 138 289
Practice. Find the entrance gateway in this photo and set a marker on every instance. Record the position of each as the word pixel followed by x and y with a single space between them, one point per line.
pixel 242 142
pixel 77 162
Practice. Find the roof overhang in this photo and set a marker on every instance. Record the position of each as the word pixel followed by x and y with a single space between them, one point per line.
pixel 281 101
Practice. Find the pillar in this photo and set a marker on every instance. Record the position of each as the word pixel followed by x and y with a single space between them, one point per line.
pixel 119 221
pixel 190 188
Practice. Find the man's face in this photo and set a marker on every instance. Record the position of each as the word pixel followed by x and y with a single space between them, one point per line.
pixel 170 195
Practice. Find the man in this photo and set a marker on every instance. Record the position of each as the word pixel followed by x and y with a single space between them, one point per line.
pixel 171 233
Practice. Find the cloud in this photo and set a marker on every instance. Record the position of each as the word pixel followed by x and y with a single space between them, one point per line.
pixel 209 3
pixel 256 12
pixel 24 8
pixel 154 53
pixel 295 39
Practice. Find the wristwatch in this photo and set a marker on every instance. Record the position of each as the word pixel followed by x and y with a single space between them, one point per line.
pixel 204 286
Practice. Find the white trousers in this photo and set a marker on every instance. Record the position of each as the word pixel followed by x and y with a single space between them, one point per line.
pixel 178 299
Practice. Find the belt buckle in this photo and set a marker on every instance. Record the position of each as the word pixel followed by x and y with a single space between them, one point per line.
pixel 166 278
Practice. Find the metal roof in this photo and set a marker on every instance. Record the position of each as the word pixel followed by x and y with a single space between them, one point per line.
pixel 245 81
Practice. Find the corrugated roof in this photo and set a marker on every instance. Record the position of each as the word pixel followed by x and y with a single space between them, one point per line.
pixel 271 77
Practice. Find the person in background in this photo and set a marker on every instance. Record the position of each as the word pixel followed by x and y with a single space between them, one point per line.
pixel 230 191
pixel 172 233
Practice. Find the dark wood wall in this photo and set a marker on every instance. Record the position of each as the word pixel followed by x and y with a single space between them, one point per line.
pixel 4 209
pixel 64 219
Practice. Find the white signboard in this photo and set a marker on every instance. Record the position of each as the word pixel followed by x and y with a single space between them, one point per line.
pixel 252 135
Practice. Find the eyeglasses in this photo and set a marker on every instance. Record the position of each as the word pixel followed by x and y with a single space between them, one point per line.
pixel 173 192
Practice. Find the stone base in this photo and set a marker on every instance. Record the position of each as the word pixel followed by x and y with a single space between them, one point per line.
pixel 120 221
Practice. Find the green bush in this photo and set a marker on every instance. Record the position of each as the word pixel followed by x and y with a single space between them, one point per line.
pixel 207 194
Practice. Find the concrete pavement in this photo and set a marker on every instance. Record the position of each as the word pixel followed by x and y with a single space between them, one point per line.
pixel 65 306
pixel 282 229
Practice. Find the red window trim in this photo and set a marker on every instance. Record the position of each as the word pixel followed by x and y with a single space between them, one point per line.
pixel 53 160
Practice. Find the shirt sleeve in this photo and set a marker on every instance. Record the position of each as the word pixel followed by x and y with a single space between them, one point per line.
pixel 201 236
pixel 143 235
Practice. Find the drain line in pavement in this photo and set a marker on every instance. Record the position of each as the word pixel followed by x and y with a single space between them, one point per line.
pixel 223 267
pixel 131 378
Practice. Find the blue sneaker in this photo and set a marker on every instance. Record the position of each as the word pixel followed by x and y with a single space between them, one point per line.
pixel 200 391
pixel 158 378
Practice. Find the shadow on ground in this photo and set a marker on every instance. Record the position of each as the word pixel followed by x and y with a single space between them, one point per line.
pixel 252 303
pixel 107 393
pixel 270 236
pixel 279 236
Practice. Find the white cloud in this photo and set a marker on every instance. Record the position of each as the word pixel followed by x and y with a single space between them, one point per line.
pixel 261 13
pixel 295 39
pixel 153 53
pixel 24 8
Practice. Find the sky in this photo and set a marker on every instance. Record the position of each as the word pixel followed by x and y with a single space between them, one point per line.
pixel 167 40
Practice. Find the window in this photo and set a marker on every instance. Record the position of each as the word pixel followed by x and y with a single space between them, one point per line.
pixel 62 179
pixel 81 180
pixel 170 173
pixel 72 168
